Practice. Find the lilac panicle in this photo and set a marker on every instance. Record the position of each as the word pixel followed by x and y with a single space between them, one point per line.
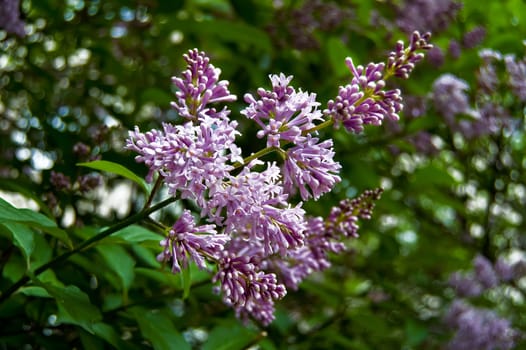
pixel 474 37
pixel 365 101
pixel 465 285
pixel 401 62
pixel 185 239
pixel 449 96
pixel 323 237
pixel 199 86
pixel 191 158
pixel 343 218
pixel 249 291
pixel 427 15
pixel 283 113
pixel 310 166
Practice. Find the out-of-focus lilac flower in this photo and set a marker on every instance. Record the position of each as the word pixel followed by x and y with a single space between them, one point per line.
pixel 297 26
pixel 89 182
pixel 310 166
pixel 60 181
pixel 474 37
pixel 401 62
pixel 487 77
pixel 199 87
pixel 81 150
pixel 342 220
pixel 246 289
pixel 449 96
pixel 10 17
pixel 465 285
pixel 423 143
pixel 185 239
pixel 435 56
pixel 484 272
pixel 454 49
pixel 516 70
pixel 504 270
pixel 479 329
pixel 283 113
pixel 427 15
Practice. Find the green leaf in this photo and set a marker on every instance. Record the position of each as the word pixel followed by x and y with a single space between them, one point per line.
pixel 134 234
pixel 9 213
pixel 230 336
pixel 338 52
pixel 236 32
pixel 74 306
pixel 106 332
pixel 34 291
pixel 159 330
pixel 115 168
pixel 23 238
pixel 119 261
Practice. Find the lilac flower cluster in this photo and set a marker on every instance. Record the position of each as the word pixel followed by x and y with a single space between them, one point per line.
pixel 257 237
pixel 451 99
pixel 365 101
pixel 477 328
pixel 10 17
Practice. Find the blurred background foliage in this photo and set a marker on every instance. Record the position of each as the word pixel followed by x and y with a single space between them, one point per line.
pixel 86 72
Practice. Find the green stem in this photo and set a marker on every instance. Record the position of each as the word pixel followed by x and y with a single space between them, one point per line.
pixel 256 155
pixel 85 245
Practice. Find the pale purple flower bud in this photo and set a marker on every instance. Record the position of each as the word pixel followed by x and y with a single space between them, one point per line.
pixel 186 240
pixel 199 87
pixel 250 292
pixel 10 17
pixel 310 167
pixel 283 113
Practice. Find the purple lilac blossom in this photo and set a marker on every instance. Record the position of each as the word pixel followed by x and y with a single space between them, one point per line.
pixel 185 239
pixel 310 167
pixel 191 158
pixel 516 70
pixel 435 56
pixel 323 237
pixel 487 77
pixel 253 204
pixel 479 329
pixel 283 113
pixel 246 289
pixel 10 17
pixel 365 101
pixel 401 62
pixel 199 86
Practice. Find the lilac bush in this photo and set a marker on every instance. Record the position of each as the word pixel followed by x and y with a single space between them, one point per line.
pixel 258 239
